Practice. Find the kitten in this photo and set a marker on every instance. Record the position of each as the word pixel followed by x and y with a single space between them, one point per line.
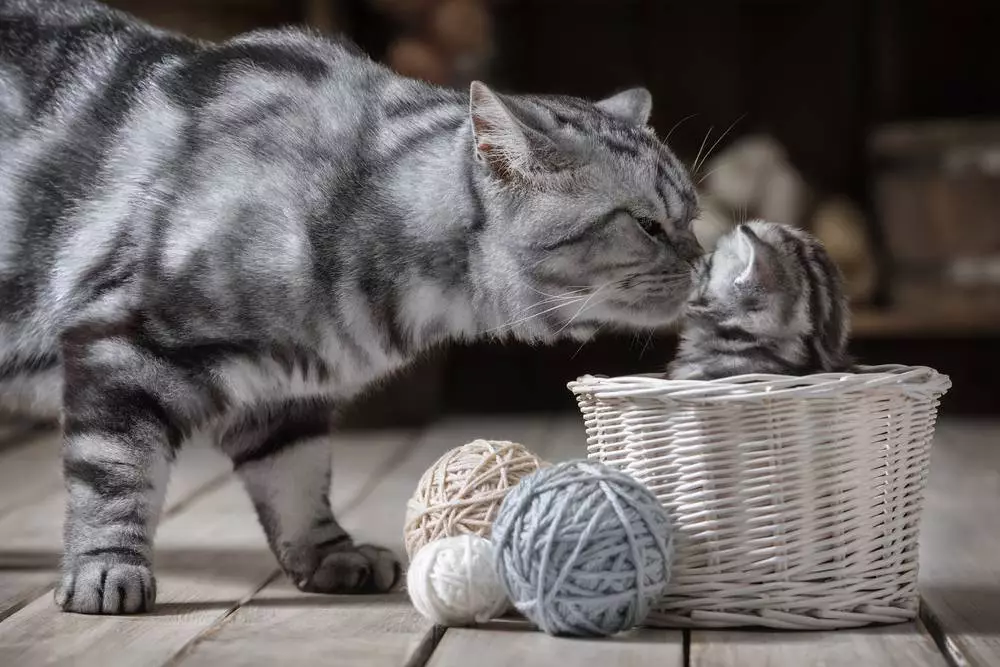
pixel 243 237
pixel 767 300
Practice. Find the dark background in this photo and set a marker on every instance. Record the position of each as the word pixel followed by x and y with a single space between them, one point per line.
pixel 823 77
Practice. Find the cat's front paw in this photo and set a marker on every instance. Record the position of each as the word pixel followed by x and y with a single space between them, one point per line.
pixel 353 569
pixel 102 587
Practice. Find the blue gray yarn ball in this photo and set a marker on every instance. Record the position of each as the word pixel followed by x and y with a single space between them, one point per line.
pixel 582 549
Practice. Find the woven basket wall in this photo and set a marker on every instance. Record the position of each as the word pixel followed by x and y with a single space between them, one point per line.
pixel 796 501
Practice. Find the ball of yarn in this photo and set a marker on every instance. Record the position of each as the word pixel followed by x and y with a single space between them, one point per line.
pixel 462 491
pixel 582 549
pixel 453 581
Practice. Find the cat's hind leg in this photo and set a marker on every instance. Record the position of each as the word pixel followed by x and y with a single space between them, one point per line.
pixel 281 451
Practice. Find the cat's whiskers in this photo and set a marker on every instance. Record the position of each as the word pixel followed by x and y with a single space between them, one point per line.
pixel 547 303
pixel 523 320
pixel 582 288
pixel 572 295
pixel 585 306
pixel 601 326
pixel 678 124
pixel 697 158
pixel 667 281
pixel 715 145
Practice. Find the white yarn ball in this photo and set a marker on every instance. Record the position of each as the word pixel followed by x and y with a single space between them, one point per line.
pixel 451 581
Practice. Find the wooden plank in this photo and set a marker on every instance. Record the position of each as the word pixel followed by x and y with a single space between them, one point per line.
pixel 209 557
pixel 348 630
pixel 516 644
pixel 360 459
pixel 904 645
pixel 30 471
pixel 567 439
pixel 960 542
pixel 31 535
pixel 20 586
pixel 280 625
pixel 17 432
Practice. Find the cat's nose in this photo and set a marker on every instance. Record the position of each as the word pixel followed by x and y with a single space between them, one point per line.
pixel 688 247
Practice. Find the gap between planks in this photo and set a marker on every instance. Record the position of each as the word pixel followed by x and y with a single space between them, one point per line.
pixel 517 644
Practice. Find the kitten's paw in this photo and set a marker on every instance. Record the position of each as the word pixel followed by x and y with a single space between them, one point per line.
pixel 354 569
pixel 101 587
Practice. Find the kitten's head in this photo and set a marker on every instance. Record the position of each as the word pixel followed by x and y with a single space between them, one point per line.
pixel 773 281
pixel 589 214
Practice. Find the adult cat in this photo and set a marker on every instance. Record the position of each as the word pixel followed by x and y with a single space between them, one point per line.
pixel 241 237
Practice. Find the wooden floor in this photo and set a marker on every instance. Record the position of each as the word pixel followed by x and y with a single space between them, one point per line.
pixel 222 601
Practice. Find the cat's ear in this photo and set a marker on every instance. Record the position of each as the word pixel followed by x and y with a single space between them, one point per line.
pixel 510 148
pixel 632 106
pixel 760 266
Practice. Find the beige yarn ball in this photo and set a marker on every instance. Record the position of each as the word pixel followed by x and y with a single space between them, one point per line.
pixel 461 493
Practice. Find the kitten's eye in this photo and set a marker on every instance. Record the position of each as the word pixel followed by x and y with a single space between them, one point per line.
pixel 651 227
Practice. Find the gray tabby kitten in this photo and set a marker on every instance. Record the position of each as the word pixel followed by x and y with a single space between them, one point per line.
pixel 242 237
pixel 768 300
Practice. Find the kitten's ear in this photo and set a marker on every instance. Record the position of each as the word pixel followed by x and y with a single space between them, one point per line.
pixel 632 106
pixel 760 260
pixel 511 149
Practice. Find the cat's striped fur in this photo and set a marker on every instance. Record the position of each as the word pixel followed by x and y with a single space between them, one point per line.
pixel 768 300
pixel 241 237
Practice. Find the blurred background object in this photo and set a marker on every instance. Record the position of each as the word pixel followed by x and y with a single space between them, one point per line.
pixel 873 123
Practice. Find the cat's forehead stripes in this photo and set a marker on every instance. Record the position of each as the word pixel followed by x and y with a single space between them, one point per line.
pixel 675 192
pixel 640 145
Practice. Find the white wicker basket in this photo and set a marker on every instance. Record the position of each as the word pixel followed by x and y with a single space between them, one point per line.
pixel 796 500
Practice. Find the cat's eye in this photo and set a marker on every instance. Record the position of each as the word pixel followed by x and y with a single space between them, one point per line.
pixel 651 227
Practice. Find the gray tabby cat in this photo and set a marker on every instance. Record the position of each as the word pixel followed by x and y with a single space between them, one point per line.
pixel 768 300
pixel 242 237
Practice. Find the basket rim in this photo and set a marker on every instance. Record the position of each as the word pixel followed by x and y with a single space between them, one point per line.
pixel 916 381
